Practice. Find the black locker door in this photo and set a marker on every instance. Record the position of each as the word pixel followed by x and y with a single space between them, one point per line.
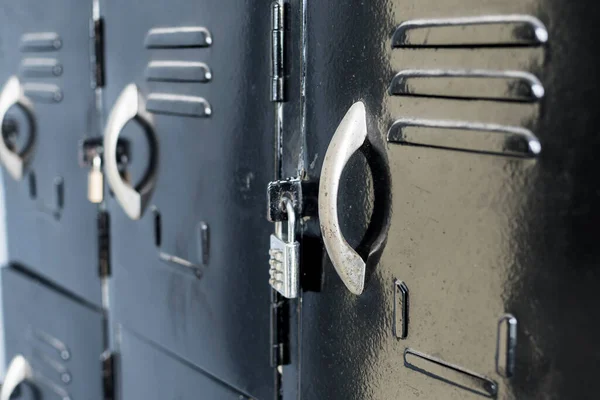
pixel 51 226
pixel 60 338
pixel 484 114
pixel 149 372
pixel 188 252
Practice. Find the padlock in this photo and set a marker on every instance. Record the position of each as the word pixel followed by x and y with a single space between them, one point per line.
pixel 96 181
pixel 285 256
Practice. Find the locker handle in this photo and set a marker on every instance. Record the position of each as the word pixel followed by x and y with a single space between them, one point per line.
pixel 18 372
pixel 13 95
pixel 349 137
pixel 129 106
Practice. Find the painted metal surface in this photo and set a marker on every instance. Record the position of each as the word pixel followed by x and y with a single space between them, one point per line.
pixel 54 341
pixel 204 299
pixel 141 363
pixel 474 234
pixel 49 221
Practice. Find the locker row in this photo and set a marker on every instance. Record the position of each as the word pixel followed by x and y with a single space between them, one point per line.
pixel 129 240
pixel 299 199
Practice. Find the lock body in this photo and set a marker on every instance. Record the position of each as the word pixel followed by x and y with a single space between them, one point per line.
pixel 284 251
pixel 284 266
pixel 96 181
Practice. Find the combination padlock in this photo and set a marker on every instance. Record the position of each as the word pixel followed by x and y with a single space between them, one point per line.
pixel 96 181
pixel 285 256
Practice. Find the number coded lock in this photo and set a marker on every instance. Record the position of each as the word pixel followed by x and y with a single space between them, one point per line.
pixel 285 256
pixel 96 181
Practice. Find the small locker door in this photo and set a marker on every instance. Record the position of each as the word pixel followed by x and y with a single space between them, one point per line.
pixel 47 107
pixel 188 86
pixel 151 373
pixel 54 342
pixel 480 133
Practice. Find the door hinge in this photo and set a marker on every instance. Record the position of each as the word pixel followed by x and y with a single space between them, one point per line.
pixel 103 244
pixel 278 53
pixel 280 326
pixel 97 57
pixel 108 375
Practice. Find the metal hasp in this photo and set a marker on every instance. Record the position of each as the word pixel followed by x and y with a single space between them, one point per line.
pixel 347 139
pixel 290 188
pixel 18 372
pixel 13 94
pixel 284 255
pixel 129 106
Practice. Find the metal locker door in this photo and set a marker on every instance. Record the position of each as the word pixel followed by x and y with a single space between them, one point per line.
pixel 482 116
pixel 45 68
pixel 188 85
pixel 55 341
pixel 148 372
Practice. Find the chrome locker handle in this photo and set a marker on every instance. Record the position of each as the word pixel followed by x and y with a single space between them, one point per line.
pixel 18 372
pixel 13 95
pixel 348 138
pixel 129 106
pixel 351 136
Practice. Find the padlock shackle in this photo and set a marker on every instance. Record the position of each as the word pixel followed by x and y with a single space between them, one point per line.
pixel 291 217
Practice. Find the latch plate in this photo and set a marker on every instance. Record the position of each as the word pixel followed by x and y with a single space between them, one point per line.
pixel 277 190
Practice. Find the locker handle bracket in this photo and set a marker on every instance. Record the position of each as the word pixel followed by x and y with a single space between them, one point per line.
pixel 129 106
pixel 18 372
pixel 13 95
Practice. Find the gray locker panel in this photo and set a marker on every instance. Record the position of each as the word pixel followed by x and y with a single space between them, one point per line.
pixel 150 373
pixel 50 223
pixel 60 337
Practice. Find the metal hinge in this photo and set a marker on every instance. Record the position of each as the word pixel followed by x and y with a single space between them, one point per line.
pixel 103 244
pixel 108 375
pixel 97 56
pixel 278 67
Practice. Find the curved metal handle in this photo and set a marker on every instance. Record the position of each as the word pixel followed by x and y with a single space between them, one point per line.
pixel 348 138
pixel 13 95
pixel 18 372
pixel 129 106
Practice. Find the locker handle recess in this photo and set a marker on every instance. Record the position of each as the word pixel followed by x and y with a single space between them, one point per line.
pixel 129 106
pixel 18 372
pixel 13 95
pixel 349 137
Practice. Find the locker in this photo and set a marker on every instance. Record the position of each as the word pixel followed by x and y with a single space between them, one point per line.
pixel 48 107
pixel 481 116
pixel 185 86
pixel 307 199
pixel 58 338
pixel 149 372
